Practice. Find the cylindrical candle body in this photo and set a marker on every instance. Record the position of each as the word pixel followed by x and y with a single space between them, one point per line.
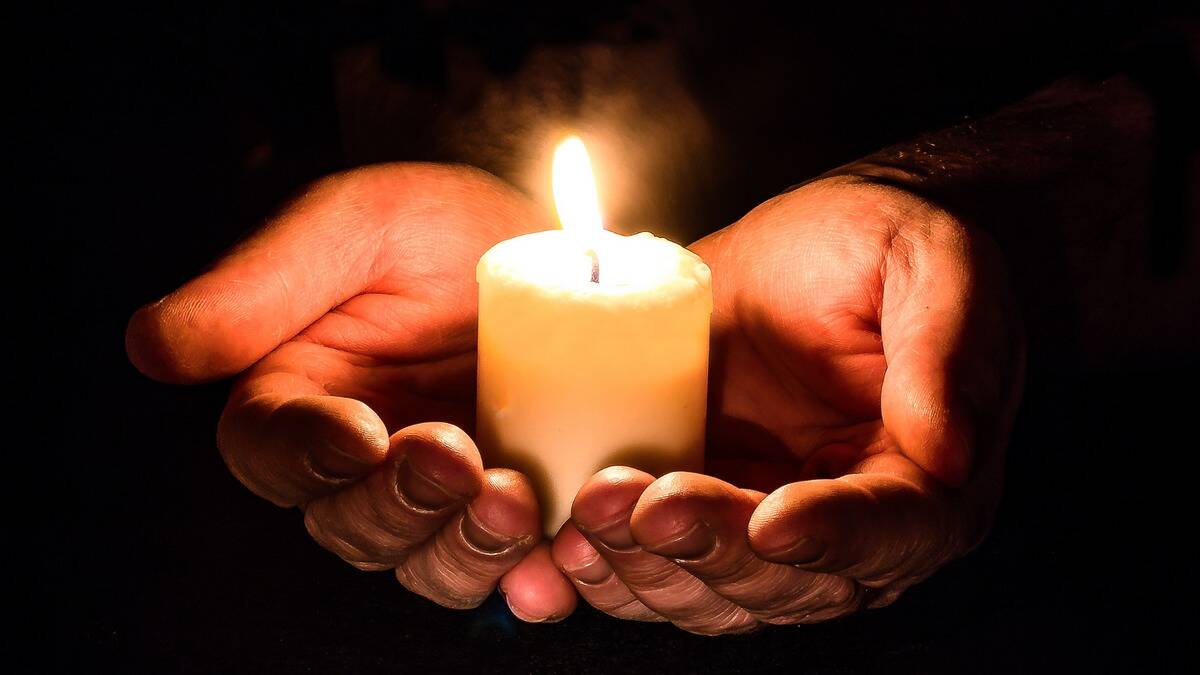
pixel 575 376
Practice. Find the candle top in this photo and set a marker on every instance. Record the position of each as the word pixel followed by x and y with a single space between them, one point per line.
pixel 584 262
pixel 640 269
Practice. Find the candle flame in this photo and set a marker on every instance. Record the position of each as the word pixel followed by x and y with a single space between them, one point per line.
pixel 575 188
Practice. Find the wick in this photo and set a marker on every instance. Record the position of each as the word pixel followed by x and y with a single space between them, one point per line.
pixel 595 266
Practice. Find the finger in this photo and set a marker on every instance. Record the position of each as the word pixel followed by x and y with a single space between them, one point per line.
pixel 594 577
pixel 942 341
pixel 601 512
pixel 337 240
pixel 460 565
pixel 701 523
pixel 434 470
pixel 536 591
pixel 288 443
pixel 890 522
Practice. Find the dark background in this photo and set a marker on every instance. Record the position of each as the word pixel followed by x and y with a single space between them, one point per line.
pixel 162 134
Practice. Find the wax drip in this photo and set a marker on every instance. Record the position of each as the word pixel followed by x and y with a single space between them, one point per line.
pixel 595 266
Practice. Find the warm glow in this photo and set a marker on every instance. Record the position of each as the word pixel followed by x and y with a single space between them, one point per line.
pixel 575 188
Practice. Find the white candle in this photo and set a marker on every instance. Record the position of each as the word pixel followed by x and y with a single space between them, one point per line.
pixel 576 375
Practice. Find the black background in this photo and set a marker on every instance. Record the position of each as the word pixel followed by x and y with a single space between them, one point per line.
pixel 163 134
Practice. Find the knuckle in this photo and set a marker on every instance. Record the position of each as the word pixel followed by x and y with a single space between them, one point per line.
pixel 731 621
pixel 771 592
pixel 347 524
pixel 734 573
pixel 841 592
pixel 629 608
pixel 879 579
pixel 452 576
pixel 247 476
pixel 833 594
pixel 650 575
pixel 333 541
pixel 827 614
pixel 828 596
pixel 441 585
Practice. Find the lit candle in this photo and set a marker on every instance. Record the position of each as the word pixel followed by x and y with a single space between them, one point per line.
pixel 593 348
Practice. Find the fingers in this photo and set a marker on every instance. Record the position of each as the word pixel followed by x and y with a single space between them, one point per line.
pixel 434 470
pixel 700 522
pixel 928 287
pixel 713 558
pixel 536 591
pixel 888 524
pixel 339 239
pixel 601 512
pixel 291 444
pixel 594 577
pixel 449 528
pixel 460 565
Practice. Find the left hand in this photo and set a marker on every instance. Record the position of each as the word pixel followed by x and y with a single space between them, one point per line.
pixel 350 321
pixel 867 364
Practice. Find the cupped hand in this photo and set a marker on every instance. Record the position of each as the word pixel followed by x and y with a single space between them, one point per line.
pixel 867 364
pixel 351 320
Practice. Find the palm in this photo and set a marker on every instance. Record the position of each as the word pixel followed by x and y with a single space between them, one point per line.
pixel 798 355
pixel 797 364
pixel 798 361
pixel 405 348
pixel 859 331
pixel 405 343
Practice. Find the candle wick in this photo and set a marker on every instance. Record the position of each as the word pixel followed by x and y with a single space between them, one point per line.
pixel 595 267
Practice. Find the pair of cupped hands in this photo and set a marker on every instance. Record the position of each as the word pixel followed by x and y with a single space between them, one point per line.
pixel 866 366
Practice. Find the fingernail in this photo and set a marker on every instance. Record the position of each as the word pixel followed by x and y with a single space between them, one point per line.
pixel 591 571
pixel 334 463
pixel 614 534
pixel 422 490
pixel 692 543
pixel 484 539
pixel 805 550
pixel 527 618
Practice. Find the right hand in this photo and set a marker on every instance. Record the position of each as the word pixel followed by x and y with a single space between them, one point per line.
pixel 351 317
pixel 867 367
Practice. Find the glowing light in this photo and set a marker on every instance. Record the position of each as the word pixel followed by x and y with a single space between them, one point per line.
pixel 575 196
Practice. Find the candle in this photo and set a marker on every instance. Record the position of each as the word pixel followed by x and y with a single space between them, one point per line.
pixel 593 349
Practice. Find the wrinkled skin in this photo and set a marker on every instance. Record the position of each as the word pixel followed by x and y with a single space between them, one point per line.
pixel 867 364
pixel 866 367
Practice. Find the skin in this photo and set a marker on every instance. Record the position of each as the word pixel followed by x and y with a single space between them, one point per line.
pixel 349 321
pixel 866 367
pixel 867 364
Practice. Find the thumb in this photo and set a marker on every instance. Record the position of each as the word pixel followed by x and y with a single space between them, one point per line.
pixel 312 256
pixel 938 358
pixel 343 236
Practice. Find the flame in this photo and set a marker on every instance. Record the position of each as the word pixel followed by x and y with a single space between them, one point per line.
pixel 575 189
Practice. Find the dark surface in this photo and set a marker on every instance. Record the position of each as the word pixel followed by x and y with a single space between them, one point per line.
pixel 168 134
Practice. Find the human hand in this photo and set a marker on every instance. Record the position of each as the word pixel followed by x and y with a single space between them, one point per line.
pixel 867 364
pixel 352 315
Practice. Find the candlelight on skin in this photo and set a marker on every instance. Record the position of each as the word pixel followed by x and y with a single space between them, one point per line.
pixel 582 371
